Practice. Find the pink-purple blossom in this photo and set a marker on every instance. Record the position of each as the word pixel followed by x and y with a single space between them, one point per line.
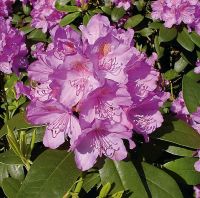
pixel 6 7
pixel 175 12
pixel 126 4
pixel 12 48
pixel 95 89
pixel 44 15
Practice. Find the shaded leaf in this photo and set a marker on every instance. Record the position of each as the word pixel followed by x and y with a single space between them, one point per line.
pixel 37 35
pixel 178 132
pixel 185 41
pixel 167 34
pixel 10 187
pixel 69 18
pixel 160 183
pixel 179 151
pixel 180 65
pixel 52 174
pixel 133 21
pixel 3 173
pixel 18 121
pixel 91 180
pixel 184 167
pixel 191 93
pixel 122 174
pixel 9 157
pixel 117 13
pixel 195 38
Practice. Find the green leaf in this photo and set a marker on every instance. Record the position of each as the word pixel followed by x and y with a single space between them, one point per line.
pixel 191 93
pixel 158 47
pixel 179 151
pixel 155 25
pixel 10 187
pixel 37 35
pixel 27 29
pixel 195 38
pixel 107 10
pixel 167 34
pixel 9 157
pixel 3 172
pixel 67 8
pixel 184 167
pixel 117 13
pixel 170 74
pixel 91 180
pixel 16 172
pixel 69 18
pixel 133 21
pixel 178 132
pixel 122 174
pixel 145 32
pixel 160 184
pixel 16 122
pixel 86 19
pixel 185 41
pixel 52 174
pixel 180 65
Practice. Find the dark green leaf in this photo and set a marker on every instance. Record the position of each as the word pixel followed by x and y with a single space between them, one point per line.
pixel 195 38
pixel 178 132
pixel 69 18
pixel 91 180
pixel 3 172
pixel 158 47
pixel 191 93
pixel 67 8
pixel 10 187
pixel 185 41
pixel 184 167
pixel 179 151
pixel 52 174
pixel 155 25
pixel 170 74
pixel 86 19
pixel 9 157
pixel 107 10
pixel 16 122
pixel 180 65
pixel 145 32
pixel 122 174
pixel 160 183
pixel 167 34
pixel 27 29
pixel 16 172
pixel 117 13
pixel 37 35
pixel 133 21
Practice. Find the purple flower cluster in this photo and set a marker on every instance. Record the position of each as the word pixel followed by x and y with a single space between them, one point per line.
pixel 5 7
pixel 12 48
pixel 175 12
pixel 93 89
pixel 126 4
pixel 45 15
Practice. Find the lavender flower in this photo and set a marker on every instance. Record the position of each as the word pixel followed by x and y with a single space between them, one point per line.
pixel 126 4
pixel 45 15
pixel 95 88
pixel 175 12
pixel 12 48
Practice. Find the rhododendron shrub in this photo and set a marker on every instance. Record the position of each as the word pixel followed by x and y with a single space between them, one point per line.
pixel 99 98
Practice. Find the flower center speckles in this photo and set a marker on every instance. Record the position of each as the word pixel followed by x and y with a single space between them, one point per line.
pixel 58 126
pixel 147 122
pixel 111 65
pixel 104 49
pixel 106 110
pixel 79 85
pixel 104 144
